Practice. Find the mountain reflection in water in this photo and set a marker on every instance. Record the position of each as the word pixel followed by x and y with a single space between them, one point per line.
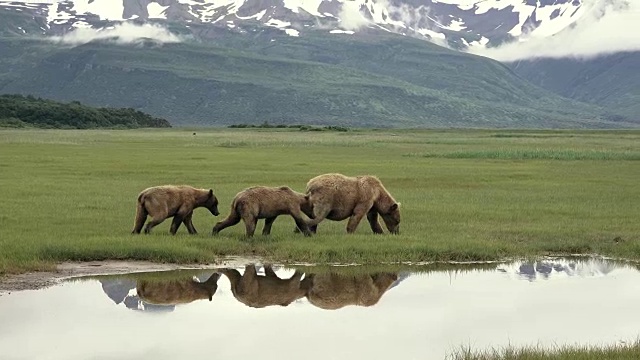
pixel 546 269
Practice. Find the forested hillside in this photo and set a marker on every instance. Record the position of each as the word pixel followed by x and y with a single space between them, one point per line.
pixel 25 111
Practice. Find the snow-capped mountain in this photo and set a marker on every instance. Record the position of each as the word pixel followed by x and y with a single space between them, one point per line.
pixel 460 23
pixel 560 268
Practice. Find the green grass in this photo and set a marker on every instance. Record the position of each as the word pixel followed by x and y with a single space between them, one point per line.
pixel 627 351
pixel 70 194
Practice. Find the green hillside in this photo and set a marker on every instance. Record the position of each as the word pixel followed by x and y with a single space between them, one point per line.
pixel 610 81
pixel 379 81
pixel 21 111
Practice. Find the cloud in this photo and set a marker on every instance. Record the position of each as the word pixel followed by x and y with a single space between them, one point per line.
pixel 124 33
pixel 404 18
pixel 607 27
pixel 419 21
pixel 350 16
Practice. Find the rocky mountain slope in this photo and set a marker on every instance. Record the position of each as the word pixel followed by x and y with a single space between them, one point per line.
pixel 456 22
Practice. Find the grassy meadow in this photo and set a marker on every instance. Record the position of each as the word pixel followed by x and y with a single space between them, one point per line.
pixel 466 195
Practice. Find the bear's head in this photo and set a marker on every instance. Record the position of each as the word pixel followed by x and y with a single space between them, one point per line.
pixel 212 203
pixel 391 218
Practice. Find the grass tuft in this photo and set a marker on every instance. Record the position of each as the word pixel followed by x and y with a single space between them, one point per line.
pixel 622 351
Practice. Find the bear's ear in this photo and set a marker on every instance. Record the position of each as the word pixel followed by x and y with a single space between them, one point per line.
pixel 210 192
pixel 393 207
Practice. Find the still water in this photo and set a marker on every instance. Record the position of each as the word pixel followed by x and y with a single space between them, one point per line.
pixel 339 313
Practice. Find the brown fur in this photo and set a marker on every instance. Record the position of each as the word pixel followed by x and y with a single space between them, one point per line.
pixel 174 292
pixel 334 291
pixel 258 291
pixel 261 202
pixel 337 197
pixel 177 201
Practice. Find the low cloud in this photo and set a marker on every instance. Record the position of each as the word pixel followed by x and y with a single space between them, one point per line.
pixel 606 28
pixel 410 20
pixel 124 33
pixel 419 20
pixel 350 16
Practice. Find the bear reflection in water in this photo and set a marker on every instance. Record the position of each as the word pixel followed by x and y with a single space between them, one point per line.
pixel 259 291
pixel 329 291
pixel 173 292
pixel 159 295
pixel 334 291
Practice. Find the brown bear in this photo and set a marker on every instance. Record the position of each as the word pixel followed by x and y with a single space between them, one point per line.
pixel 333 291
pixel 258 291
pixel 173 292
pixel 261 202
pixel 177 201
pixel 337 197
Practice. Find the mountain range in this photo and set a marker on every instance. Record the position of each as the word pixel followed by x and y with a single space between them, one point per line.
pixel 391 63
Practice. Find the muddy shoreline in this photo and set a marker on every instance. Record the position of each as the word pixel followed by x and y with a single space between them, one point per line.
pixel 44 279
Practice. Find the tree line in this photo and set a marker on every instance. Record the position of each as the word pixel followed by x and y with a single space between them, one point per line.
pixel 29 111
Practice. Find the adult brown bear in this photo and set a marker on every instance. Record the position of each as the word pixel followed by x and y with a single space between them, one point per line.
pixel 261 202
pixel 258 291
pixel 337 197
pixel 177 201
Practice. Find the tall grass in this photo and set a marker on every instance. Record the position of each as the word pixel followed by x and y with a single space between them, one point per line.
pixel 540 154
pixel 625 351
pixel 70 195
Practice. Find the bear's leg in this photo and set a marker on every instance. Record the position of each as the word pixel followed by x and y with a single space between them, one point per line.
pixel 356 217
pixel 248 283
pixel 175 224
pixel 302 225
pixel 266 230
pixel 153 223
pixel 268 270
pixel 188 222
pixel 250 223
pixel 141 217
pixel 372 217
pixel 231 220
pixel 313 229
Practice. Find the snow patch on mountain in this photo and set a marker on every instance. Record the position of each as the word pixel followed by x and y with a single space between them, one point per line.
pixel 106 9
pixel 18 6
pixel 310 6
pixel 277 23
pixel 292 32
pixel 341 32
pixel 603 28
pixel 156 11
